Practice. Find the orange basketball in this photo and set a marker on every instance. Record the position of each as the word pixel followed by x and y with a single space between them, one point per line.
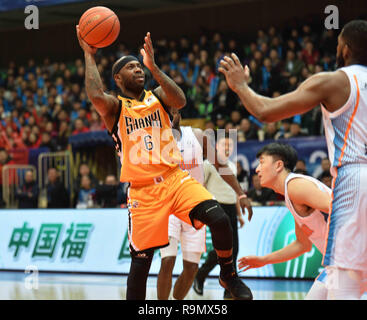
pixel 99 27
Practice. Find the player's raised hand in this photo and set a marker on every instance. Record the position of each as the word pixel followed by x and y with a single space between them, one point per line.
pixel 237 77
pixel 148 52
pixel 85 46
pixel 250 262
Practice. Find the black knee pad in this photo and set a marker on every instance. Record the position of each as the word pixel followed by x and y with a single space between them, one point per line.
pixel 211 213
pixel 139 270
pixel 207 212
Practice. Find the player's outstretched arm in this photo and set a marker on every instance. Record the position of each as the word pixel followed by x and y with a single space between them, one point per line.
pixel 105 104
pixel 319 88
pixel 298 247
pixel 168 91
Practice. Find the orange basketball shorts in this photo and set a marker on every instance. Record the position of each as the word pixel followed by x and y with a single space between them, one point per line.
pixel 150 207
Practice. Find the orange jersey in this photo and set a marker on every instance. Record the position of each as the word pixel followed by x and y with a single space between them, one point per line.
pixel 144 139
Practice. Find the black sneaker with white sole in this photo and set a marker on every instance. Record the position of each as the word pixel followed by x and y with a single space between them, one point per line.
pixel 236 287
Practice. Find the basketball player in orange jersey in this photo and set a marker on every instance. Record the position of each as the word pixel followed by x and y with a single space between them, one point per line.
pixel 342 95
pixel 138 121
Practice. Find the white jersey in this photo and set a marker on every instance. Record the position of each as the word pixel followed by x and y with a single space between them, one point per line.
pixel 346 128
pixel 346 137
pixel 315 224
pixel 192 154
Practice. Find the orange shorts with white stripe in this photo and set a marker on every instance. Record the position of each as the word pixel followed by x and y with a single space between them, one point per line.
pixel 150 206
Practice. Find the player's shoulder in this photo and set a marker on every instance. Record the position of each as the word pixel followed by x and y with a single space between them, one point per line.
pixel 299 184
pixel 335 78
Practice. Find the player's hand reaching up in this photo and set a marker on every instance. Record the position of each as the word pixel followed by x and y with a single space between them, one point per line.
pixel 85 46
pixel 250 262
pixel 237 77
pixel 148 52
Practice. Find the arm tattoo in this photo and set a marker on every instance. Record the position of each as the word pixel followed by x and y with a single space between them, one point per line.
pixel 174 95
pixel 93 82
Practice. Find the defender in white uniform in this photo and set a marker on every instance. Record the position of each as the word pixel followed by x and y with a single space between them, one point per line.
pixel 306 198
pixel 343 95
pixel 194 146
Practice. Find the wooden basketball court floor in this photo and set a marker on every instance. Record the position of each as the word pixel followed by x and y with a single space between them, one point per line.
pixel 57 286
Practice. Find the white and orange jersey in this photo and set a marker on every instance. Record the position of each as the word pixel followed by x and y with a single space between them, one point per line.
pixel 314 225
pixel 346 128
pixel 192 154
pixel 346 137
pixel 144 139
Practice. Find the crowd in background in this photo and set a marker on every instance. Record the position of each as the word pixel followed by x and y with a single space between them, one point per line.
pixel 43 103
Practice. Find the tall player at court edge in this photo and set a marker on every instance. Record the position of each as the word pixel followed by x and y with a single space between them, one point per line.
pixel 343 97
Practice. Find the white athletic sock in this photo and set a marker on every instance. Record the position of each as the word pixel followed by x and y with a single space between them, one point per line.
pixel 318 291
pixel 343 284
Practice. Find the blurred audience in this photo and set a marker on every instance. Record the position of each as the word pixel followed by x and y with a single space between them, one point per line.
pixel 43 103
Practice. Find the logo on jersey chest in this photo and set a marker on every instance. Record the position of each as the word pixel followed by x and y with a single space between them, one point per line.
pixel 151 120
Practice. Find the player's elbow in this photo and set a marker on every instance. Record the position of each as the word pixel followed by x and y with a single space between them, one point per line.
pixel 263 116
pixel 307 247
pixel 181 102
pixel 261 113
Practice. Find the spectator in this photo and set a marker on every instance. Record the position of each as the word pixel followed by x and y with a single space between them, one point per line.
pixel 220 121
pixel 48 142
pixel 259 195
pixel 109 194
pixel 301 167
pixel 293 65
pixel 294 131
pixel 248 129
pixel 62 137
pixel 57 195
pixel 225 100
pixel 256 75
pixel 96 123
pixel 79 127
pixel 242 177
pixel 86 194
pixel 325 167
pixel 4 160
pixel 236 117
pixel 309 54
pixel 27 194
pixel 84 170
pixel 284 129
pixel 269 131
pixel 326 178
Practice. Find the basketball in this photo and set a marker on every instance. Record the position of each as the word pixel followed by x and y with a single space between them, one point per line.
pixel 99 27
